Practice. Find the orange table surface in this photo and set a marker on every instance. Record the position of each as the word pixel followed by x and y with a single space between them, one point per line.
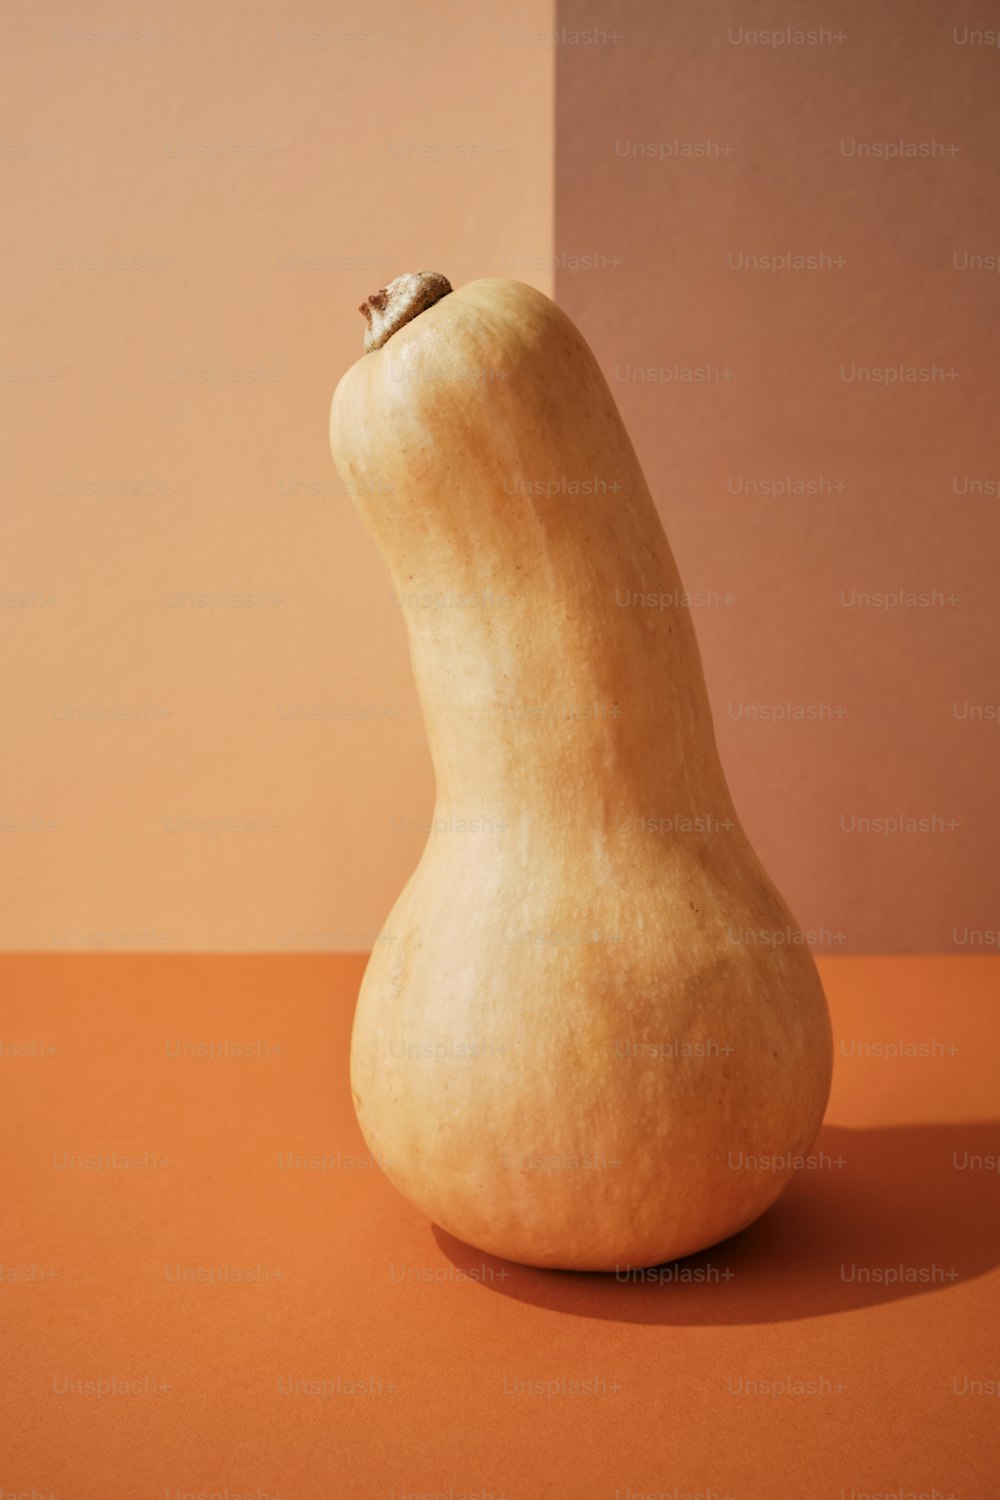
pixel 209 1290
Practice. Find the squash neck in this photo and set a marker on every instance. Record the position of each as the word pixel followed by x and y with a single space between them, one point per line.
pixel 548 680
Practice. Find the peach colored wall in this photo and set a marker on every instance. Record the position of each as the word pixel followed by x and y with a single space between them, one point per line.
pixel 136 480
pixel 683 146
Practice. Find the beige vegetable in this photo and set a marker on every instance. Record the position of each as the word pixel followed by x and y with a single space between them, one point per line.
pixel 591 1030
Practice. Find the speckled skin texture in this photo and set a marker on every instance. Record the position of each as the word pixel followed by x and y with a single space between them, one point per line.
pixel 589 1018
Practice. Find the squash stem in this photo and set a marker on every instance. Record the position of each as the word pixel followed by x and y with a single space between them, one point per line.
pixel 387 310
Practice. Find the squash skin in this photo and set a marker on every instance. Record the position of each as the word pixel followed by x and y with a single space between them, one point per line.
pixel 487 1060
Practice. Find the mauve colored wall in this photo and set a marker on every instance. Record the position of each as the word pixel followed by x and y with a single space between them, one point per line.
pixel 687 141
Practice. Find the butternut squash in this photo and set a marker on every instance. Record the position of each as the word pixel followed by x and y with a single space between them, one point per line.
pixel 583 1043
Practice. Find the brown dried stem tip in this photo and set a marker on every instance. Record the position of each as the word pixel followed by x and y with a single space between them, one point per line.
pixel 412 293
